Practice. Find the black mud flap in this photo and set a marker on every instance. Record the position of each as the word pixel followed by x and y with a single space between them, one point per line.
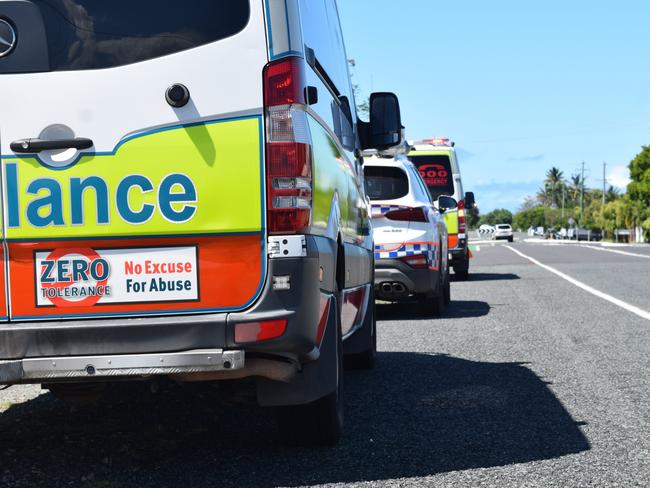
pixel 361 340
pixel 316 380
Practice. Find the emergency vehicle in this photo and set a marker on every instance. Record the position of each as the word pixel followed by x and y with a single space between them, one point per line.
pixel 437 162
pixel 182 197
pixel 409 232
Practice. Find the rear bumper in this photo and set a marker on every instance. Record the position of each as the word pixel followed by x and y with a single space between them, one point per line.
pixel 28 350
pixel 394 271
pixel 98 367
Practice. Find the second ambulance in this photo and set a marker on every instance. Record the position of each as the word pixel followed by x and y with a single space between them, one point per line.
pixel 437 162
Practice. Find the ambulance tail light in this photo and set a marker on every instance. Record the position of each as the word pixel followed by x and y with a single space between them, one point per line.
pixel 265 330
pixel 462 221
pixel 416 214
pixel 288 148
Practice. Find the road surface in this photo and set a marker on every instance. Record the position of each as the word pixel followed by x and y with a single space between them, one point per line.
pixel 530 379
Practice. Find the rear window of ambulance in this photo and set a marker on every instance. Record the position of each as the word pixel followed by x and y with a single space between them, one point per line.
pixel 436 173
pixel 94 34
pixel 385 183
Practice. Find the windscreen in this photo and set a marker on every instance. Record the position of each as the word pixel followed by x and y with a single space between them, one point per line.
pixel 385 183
pixel 436 173
pixel 93 34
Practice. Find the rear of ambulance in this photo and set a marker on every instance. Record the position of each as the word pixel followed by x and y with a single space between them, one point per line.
pixel 134 190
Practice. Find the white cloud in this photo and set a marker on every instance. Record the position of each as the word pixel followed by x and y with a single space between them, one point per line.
pixel 619 176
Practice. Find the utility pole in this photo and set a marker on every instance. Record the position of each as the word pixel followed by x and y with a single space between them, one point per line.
pixel 604 188
pixel 604 181
pixel 582 192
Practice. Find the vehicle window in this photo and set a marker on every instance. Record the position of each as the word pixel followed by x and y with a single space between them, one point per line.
pixel 90 34
pixel 435 170
pixel 322 33
pixel 423 188
pixel 385 183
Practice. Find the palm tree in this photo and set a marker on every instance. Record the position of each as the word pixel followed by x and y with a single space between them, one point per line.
pixel 575 187
pixel 612 194
pixel 555 183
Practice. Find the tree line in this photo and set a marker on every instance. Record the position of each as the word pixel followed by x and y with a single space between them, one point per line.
pixel 567 202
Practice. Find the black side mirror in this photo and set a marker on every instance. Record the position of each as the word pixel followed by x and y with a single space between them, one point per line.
pixel 470 202
pixel 385 127
pixel 446 203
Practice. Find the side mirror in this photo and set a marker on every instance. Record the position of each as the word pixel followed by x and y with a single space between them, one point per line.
pixel 470 202
pixel 385 127
pixel 446 203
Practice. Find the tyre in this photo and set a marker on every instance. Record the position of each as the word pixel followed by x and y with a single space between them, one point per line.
pixel 435 304
pixel 319 423
pixel 461 270
pixel 510 239
pixel 447 288
pixel 78 394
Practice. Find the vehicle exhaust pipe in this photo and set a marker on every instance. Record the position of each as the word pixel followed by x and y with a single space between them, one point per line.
pixel 399 288
pixel 265 368
pixel 387 288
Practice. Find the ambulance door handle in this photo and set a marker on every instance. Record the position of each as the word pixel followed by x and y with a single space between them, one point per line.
pixel 23 146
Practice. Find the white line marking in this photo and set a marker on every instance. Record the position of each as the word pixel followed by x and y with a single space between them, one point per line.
pixel 625 253
pixel 619 303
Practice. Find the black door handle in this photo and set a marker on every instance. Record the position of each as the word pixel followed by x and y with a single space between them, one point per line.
pixel 37 145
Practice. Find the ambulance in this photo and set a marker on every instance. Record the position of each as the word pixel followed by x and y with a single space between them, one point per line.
pixel 437 162
pixel 182 197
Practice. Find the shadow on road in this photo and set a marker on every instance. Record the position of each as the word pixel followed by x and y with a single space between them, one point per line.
pixel 489 277
pixel 414 415
pixel 457 309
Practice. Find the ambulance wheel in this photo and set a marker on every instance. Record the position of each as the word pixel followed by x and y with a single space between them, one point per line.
pixel 78 394
pixel 319 423
pixel 462 270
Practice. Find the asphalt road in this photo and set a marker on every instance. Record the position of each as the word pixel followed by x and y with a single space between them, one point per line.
pixel 528 380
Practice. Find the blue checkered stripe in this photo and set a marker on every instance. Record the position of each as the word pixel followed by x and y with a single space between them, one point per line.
pixel 407 250
pixel 381 210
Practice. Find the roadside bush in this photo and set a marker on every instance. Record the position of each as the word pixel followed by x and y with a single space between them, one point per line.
pixel 532 217
pixel 498 216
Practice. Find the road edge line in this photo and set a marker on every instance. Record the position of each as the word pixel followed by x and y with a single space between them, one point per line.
pixel 624 253
pixel 613 300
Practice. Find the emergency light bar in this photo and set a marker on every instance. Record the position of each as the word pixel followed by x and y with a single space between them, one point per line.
pixel 435 141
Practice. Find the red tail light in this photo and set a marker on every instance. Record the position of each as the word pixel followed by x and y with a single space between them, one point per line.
pixel 284 82
pixel 418 261
pixel 259 331
pixel 288 148
pixel 462 222
pixel 408 215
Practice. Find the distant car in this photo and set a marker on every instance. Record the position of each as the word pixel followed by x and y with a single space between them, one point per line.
pixel 411 253
pixel 503 231
pixel 582 234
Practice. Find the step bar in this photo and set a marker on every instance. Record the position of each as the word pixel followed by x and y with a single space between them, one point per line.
pixel 89 368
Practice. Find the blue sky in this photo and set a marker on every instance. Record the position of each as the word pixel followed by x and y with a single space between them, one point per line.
pixel 519 85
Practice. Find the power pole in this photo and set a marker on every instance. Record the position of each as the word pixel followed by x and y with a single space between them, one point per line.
pixel 582 191
pixel 604 188
pixel 604 181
